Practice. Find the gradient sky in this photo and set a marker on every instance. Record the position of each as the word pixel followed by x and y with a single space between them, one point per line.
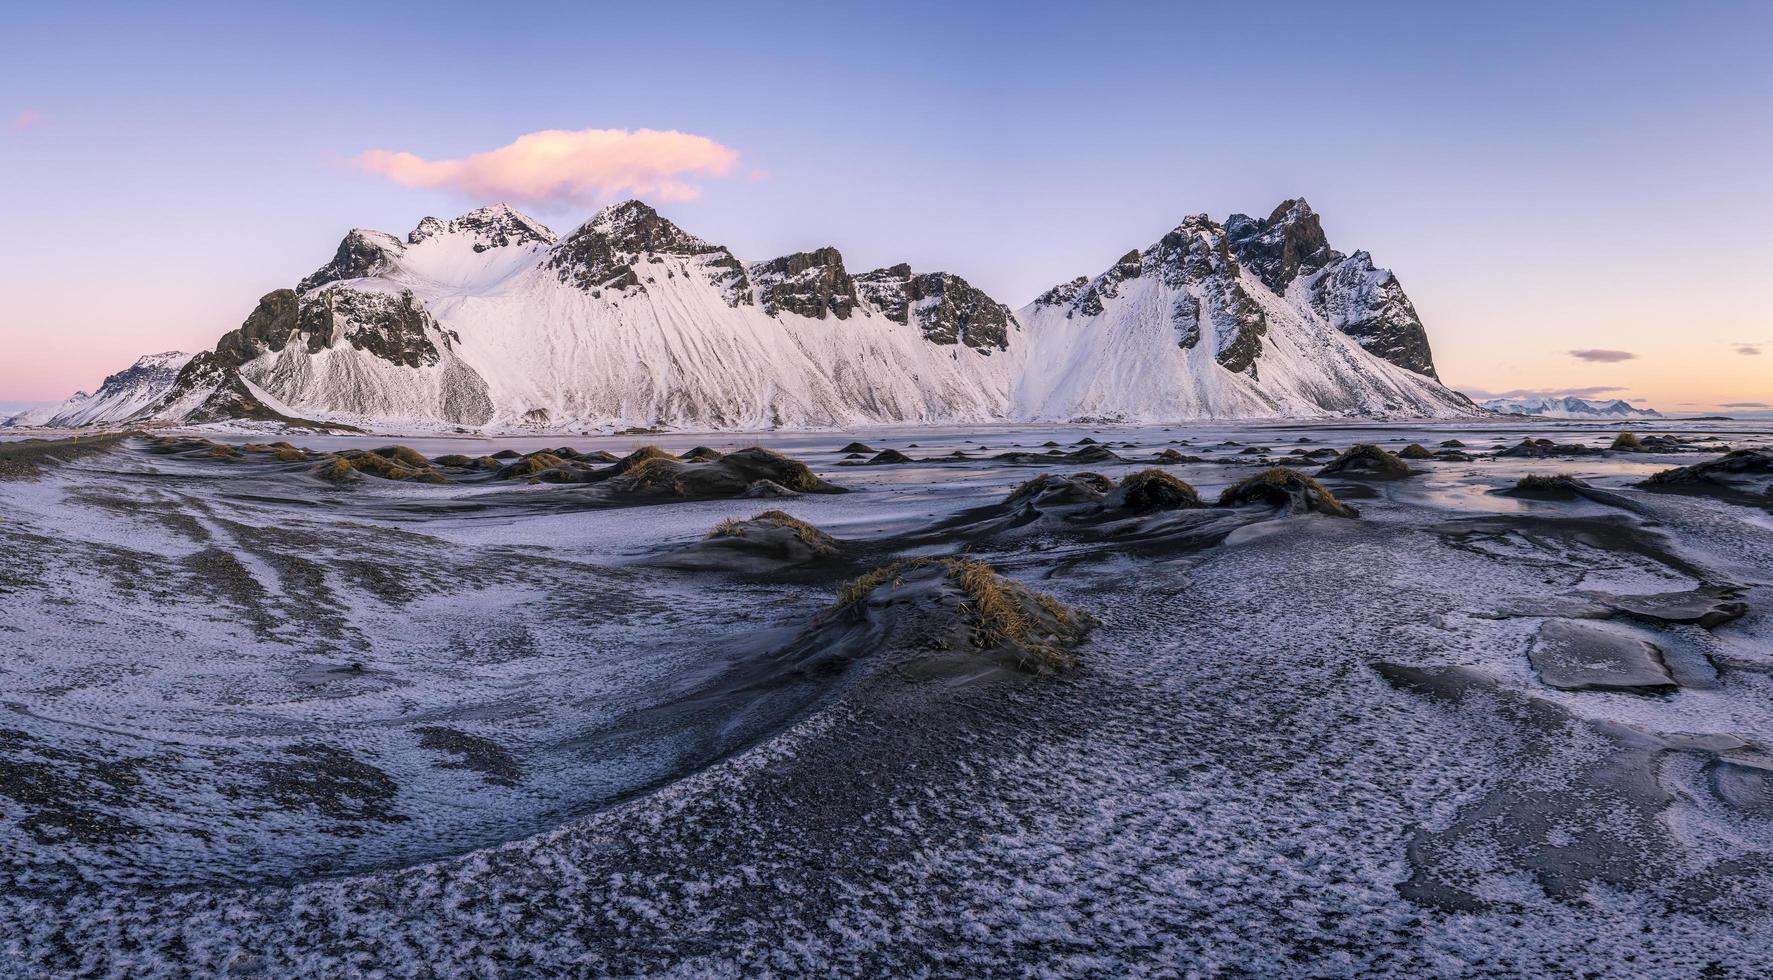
pixel 1544 178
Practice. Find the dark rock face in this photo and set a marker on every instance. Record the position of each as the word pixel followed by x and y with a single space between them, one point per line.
pixel 1064 294
pixel 812 284
pixel 267 328
pixel 362 253
pixel 1369 305
pixel 1194 258
pixel 1358 299
pixel 498 226
pixel 1290 243
pixel 606 253
pixel 947 308
pixel 395 328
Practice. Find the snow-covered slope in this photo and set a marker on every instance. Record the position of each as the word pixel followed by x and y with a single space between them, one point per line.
pixel 1570 407
pixel 491 322
pixel 1249 319
pixel 122 395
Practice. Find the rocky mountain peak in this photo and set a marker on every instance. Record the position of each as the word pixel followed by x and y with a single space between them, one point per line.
pixel 1289 243
pixel 362 253
pixel 812 284
pixel 606 253
pixel 947 308
pixel 495 226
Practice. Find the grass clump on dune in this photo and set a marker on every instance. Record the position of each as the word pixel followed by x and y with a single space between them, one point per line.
pixel 1280 485
pixel 404 455
pixel 996 610
pixel 644 454
pixel 344 466
pixel 814 538
pixel 1627 442
pixel 531 465
pixel 1415 450
pixel 1153 489
pixel 1369 460
pixel 1547 481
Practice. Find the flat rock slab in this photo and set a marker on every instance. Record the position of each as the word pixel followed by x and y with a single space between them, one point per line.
pixel 1572 655
pixel 1708 606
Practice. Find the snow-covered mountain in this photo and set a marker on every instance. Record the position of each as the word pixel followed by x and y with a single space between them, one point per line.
pixel 123 395
pixel 491 322
pixel 1570 407
pixel 1249 319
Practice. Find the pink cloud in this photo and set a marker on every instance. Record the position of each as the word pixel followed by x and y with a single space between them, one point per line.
pixel 27 119
pixel 558 167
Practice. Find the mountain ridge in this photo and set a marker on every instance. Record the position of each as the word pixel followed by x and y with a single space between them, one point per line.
pixel 490 321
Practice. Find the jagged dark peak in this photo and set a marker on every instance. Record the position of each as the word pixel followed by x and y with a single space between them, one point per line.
pixel 267 328
pixel 1063 294
pixel 632 226
pixel 1369 304
pixel 495 226
pixel 812 284
pixel 362 253
pixel 1289 243
pixel 947 308
pixel 606 253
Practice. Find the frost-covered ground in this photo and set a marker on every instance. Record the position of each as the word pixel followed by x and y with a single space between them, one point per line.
pixel 250 723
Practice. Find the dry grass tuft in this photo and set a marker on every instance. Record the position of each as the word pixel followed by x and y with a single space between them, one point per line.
pixel 404 455
pixel 1152 488
pixel 645 454
pixel 1415 450
pixel 1547 481
pixel 1627 442
pixel 1364 457
pixel 994 608
pixel 1284 479
pixel 814 538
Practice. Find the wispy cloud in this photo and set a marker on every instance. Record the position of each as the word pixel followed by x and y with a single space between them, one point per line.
pixel 1747 405
pixel 1602 356
pixel 27 119
pixel 560 168
pixel 1749 350
pixel 1589 392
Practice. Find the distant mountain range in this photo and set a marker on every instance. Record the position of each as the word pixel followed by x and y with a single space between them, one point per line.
pixel 1570 408
pixel 490 322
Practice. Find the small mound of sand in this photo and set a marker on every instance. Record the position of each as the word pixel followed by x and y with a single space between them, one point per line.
pixel 1415 450
pixel 530 465
pixel 768 488
pixel 1542 448
pixel 858 447
pixel 954 604
pixel 348 465
pixel 404 455
pixel 1282 487
pixel 1056 490
pixel 1366 459
pixel 765 527
pixel 1152 489
pixel 1546 486
pixel 888 457
pixel 729 476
